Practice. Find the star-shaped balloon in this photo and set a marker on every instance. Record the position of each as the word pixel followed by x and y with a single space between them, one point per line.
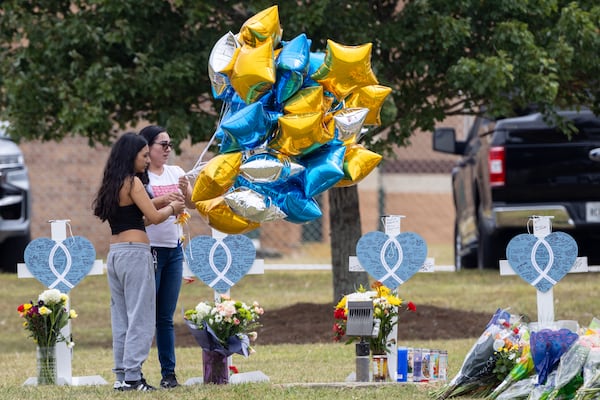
pixel 219 215
pixel 292 66
pixel 253 205
pixel 358 163
pixel 345 68
pixel 372 98
pixel 348 123
pixel 300 133
pixel 324 168
pixel 220 56
pixel 248 127
pixel 306 100
pixel 217 176
pixel 262 27
pixel 252 71
pixel 268 166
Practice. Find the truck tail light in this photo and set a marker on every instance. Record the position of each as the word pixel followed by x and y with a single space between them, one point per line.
pixel 496 166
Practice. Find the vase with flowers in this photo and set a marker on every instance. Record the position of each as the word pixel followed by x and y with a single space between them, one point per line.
pixel 386 308
pixel 222 328
pixel 44 320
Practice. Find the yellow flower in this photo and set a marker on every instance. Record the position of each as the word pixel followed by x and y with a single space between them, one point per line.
pixel 27 306
pixel 43 310
pixel 72 314
pixel 393 300
pixel 342 303
pixel 64 298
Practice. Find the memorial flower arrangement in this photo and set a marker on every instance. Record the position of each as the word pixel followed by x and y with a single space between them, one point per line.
pixel 226 326
pixel 496 354
pixel 45 318
pixel 386 308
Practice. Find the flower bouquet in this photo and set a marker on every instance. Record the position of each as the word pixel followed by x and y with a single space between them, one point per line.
pixel 44 320
pixel 490 360
pixel 222 328
pixel 386 308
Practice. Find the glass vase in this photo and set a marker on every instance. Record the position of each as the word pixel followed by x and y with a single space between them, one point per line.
pixel 380 367
pixel 215 367
pixel 46 366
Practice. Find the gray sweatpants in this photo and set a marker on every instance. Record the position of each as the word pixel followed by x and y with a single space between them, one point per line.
pixel 130 271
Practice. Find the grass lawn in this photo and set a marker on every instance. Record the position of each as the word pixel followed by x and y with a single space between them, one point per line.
pixel 295 371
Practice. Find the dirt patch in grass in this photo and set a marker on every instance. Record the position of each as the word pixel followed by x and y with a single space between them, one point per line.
pixel 312 323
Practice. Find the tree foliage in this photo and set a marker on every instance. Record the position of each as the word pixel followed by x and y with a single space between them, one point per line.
pixel 92 68
pixel 95 67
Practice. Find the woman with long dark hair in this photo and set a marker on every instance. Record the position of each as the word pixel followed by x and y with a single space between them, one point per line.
pixel 123 201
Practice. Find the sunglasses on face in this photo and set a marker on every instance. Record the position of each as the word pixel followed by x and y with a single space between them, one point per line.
pixel 165 145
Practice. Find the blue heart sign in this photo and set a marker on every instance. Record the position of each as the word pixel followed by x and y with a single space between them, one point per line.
pixel 220 262
pixel 60 265
pixel 391 260
pixel 542 262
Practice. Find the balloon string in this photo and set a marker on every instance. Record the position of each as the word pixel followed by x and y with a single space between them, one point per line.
pixel 70 230
pixel 193 173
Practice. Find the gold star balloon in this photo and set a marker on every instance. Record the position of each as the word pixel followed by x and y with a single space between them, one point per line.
pixel 306 100
pixel 217 176
pixel 358 163
pixel 345 68
pixel 252 71
pixel 300 133
pixel 371 97
pixel 261 27
pixel 218 215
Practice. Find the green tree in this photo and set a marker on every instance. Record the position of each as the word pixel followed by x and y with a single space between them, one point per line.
pixel 90 68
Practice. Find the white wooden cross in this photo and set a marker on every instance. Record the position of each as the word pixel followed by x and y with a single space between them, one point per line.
pixel 391 224
pixel 64 355
pixel 258 268
pixel 545 300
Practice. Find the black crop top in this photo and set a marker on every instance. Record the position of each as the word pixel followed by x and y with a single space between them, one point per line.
pixel 126 217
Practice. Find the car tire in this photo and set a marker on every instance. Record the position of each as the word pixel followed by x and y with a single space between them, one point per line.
pixel 13 250
pixel 488 252
pixel 462 260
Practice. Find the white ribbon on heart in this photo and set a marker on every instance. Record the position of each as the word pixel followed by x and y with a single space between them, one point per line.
pixel 391 272
pixel 543 274
pixel 221 275
pixel 60 277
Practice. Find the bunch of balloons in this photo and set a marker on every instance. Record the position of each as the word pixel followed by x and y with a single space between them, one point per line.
pixel 289 128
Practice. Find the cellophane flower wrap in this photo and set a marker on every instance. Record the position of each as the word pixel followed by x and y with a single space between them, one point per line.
pixel 386 308
pixel 225 326
pixel 45 318
pixel 490 360
pixel 547 347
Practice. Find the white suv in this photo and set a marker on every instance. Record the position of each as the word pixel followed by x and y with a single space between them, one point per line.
pixel 15 203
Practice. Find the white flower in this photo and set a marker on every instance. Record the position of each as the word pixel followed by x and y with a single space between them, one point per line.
pixel 218 318
pixel 498 344
pixel 70 345
pixel 51 296
pixel 202 310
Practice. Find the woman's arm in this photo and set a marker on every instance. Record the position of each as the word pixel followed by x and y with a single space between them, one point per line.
pixel 140 197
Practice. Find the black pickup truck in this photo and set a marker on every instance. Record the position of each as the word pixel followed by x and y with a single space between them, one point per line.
pixel 514 168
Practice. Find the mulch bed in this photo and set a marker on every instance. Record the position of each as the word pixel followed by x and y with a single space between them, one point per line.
pixel 305 323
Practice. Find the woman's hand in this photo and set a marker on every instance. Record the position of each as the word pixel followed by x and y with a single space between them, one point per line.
pixel 173 196
pixel 184 184
pixel 178 206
